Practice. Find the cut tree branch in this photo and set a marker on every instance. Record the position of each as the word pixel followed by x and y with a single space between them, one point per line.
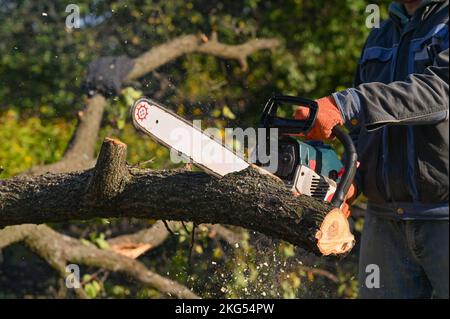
pixel 112 189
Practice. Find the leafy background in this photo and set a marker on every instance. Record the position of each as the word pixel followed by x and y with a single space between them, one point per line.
pixel 42 64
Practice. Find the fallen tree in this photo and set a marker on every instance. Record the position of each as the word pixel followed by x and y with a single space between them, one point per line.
pixel 114 189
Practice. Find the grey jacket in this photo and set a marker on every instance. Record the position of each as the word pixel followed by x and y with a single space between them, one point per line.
pixel 397 113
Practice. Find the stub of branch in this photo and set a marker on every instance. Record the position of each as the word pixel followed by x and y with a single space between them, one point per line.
pixel 110 172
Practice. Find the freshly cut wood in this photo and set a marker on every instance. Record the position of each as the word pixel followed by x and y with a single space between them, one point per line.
pixel 113 189
pixel 131 250
pixel 334 236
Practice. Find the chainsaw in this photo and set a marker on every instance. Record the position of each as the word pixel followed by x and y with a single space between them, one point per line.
pixel 311 168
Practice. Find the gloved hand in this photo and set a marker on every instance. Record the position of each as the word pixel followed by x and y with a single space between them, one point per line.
pixel 352 194
pixel 328 116
pixel 106 74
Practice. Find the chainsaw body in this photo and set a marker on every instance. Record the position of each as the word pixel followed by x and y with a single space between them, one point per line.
pixel 311 168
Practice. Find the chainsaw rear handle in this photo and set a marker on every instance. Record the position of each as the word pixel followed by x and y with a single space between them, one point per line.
pixel 350 165
pixel 269 118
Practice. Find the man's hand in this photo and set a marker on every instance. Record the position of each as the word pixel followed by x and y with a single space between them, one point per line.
pixel 352 194
pixel 106 75
pixel 328 116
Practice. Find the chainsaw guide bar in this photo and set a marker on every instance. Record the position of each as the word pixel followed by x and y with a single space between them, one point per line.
pixel 185 139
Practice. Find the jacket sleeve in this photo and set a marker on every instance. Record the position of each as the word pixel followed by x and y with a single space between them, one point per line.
pixel 420 100
pixel 354 131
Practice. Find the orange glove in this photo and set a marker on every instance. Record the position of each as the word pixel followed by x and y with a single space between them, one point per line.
pixel 349 199
pixel 328 116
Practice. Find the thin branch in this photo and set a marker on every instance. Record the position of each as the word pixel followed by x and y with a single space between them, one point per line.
pixel 154 236
pixel 319 272
pixel 226 234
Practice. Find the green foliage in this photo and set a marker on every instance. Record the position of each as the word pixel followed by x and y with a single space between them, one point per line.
pixel 25 142
pixel 119 291
pixel 99 240
pixel 92 287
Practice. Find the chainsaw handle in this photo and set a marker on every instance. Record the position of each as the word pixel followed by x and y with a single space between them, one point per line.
pixel 269 118
pixel 350 166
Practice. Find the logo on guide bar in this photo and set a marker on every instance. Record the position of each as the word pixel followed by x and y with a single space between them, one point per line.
pixel 142 111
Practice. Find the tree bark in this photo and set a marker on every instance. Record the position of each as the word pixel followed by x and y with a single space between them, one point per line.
pixel 113 189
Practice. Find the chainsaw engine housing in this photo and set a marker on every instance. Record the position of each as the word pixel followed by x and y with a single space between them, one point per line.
pixel 309 168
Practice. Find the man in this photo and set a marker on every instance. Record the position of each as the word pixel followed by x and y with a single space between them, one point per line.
pixel 397 113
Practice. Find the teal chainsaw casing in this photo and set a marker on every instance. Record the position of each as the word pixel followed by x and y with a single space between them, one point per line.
pixel 321 158
pixel 311 168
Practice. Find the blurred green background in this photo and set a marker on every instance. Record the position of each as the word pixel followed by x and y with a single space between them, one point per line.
pixel 42 65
